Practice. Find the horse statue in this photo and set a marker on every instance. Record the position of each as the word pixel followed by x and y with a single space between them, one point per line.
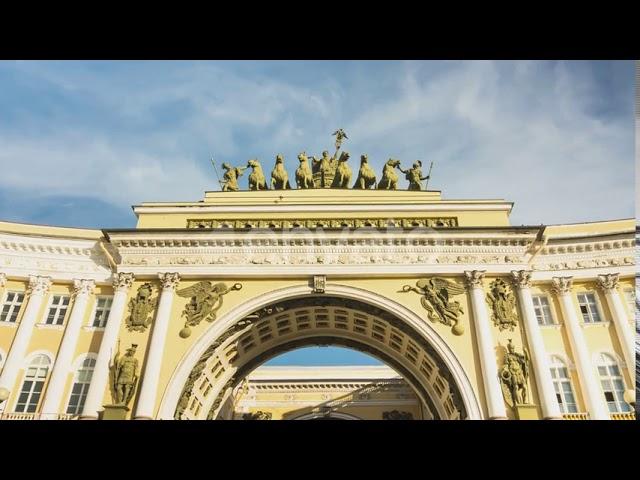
pixel 256 178
pixel 343 172
pixel 304 177
pixel 366 176
pixel 279 176
pixel 389 180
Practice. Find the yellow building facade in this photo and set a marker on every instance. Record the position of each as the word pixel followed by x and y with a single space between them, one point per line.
pixel 171 319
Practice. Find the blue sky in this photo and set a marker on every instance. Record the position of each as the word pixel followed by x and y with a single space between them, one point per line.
pixel 80 142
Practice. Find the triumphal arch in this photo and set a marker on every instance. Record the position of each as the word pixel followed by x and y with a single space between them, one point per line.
pixel 481 319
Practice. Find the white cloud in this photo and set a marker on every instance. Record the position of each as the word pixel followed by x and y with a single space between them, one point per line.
pixel 522 131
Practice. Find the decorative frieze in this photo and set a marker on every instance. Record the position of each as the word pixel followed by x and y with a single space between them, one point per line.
pixel 429 222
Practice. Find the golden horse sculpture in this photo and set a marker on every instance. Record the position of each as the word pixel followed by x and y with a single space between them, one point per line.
pixel 366 176
pixel 279 176
pixel 256 178
pixel 304 176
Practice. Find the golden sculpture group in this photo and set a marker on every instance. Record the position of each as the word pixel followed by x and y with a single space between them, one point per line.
pixel 325 172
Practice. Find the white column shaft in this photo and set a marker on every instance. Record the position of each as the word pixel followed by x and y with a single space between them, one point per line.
pixel 623 328
pixel 100 377
pixel 591 391
pixel 486 347
pixel 544 382
pixel 16 354
pixel 148 391
pixel 64 359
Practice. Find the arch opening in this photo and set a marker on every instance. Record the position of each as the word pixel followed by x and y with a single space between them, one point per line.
pixel 320 320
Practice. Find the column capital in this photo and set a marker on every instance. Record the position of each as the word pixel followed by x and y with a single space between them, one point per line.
pixel 3 279
pixel 83 287
pixel 474 278
pixel 38 285
pixel 122 281
pixel 169 280
pixel 562 285
pixel 608 282
pixel 521 278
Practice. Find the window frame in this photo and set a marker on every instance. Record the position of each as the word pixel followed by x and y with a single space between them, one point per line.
pixel 12 308
pixel 555 363
pixel 94 311
pixel 552 316
pixel 58 307
pixel 32 358
pixel 80 365
pixel 598 308
pixel 618 396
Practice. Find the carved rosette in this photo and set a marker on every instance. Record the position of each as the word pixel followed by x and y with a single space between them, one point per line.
pixel 38 285
pixel 521 278
pixel 83 287
pixel 122 281
pixel 3 279
pixel 169 280
pixel 474 278
pixel 608 282
pixel 562 285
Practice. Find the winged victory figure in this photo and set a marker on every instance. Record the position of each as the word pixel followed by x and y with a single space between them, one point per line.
pixel 206 299
pixel 436 293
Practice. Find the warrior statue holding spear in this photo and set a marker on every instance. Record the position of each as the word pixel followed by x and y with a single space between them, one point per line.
pixel 231 175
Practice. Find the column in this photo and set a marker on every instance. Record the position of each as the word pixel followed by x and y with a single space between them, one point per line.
pixel 149 389
pixel 591 391
pixel 609 284
pixel 546 391
pixel 81 291
pixel 486 347
pixel 121 284
pixel 38 288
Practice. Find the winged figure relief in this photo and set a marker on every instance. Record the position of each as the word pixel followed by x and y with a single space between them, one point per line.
pixel 436 299
pixel 206 300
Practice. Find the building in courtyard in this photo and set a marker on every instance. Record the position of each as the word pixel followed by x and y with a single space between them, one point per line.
pixel 475 318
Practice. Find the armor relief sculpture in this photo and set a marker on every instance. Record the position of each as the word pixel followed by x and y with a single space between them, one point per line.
pixel 436 299
pixel 205 301
pixel 502 302
pixel 140 308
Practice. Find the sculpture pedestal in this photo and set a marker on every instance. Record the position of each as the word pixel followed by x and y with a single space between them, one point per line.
pixel 114 412
pixel 527 412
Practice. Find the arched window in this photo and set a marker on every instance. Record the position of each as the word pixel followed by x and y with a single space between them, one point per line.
pixel 562 385
pixel 81 386
pixel 612 384
pixel 34 380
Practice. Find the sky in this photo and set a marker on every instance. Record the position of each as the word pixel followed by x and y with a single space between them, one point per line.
pixel 82 141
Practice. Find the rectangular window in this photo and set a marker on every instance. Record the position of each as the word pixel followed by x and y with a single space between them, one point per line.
pixel 57 310
pixel 542 309
pixel 588 308
pixel 11 307
pixel 103 307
